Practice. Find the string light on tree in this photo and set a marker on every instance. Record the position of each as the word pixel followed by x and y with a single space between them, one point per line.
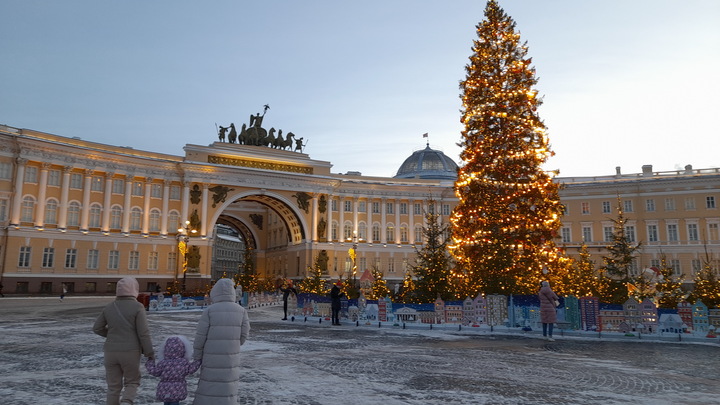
pixel 509 208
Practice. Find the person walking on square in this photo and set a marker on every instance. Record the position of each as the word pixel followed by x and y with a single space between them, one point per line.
pixel 238 293
pixel 63 291
pixel 174 363
pixel 287 289
pixel 124 326
pixel 548 314
pixel 223 327
pixel 335 295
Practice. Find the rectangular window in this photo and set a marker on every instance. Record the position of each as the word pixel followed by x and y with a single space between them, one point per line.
pixel 138 188
pixel 97 184
pixel 54 178
pixel 628 206
pixel 93 258
pixel 113 259
pixel 391 266
pixel 690 204
pixel 389 208
pixel 417 209
pixel 362 206
pixel 403 208
pixel 650 205
pixel 134 260
pixel 172 262
pixel 48 259
pixel 31 174
pixel 693 234
pixel 5 171
pixel 175 192
pixel 565 234
pixel 348 206
pixel 696 266
pixel 675 266
pixel 334 205
pixel 156 190
pixel 585 208
pixel 3 209
pixel 606 208
pixel 669 204
pixel 713 234
pixel 76 180
pixel 118 186
pixel 153 261
pixel 71 258
pixel 587 234
pixel 710 202
pixel 652 231
pixel 672 231
pixel 376 208
pixel 24 257
pixel 630 233
pixel 608 233
pixel 446 209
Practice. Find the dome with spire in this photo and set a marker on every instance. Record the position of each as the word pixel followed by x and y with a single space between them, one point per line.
pixel 428 164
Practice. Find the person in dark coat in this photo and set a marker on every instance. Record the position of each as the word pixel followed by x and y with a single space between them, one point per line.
pixel 287 289
pixel 548 315
pixel 335 295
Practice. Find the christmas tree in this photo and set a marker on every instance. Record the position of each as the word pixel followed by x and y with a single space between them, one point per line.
pixel 509 208
pixel 432 268
pixel 669 287
pixel 582 279
pixel 619 261
pixel 707 285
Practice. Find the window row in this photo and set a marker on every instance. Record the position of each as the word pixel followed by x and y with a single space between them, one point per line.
pixel 376 232
pixel 403 208
pixel 74 210
pixel 113 260
pixel 672 233
pixel 650 206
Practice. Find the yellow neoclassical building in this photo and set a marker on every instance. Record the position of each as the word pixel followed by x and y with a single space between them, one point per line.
pixel 83 214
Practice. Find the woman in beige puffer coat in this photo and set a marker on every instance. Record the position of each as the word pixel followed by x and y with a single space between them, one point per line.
pixel 223 328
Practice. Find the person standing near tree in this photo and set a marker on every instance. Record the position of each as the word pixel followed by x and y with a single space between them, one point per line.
pixel 335 304
pixel 287 289
pixel 124 325
pixel 548 314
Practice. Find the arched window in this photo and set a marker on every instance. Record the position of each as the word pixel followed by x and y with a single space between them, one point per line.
pixel 51 207
pixel 28 209
pixel 390 233
pixel 403 233
pixel 135 219
pixel 173 221
pixel 154 220
pixel 419 234
pixel 116 217
pixel 362 231
pixel 376 232
pixel 73 214
pixel 95 215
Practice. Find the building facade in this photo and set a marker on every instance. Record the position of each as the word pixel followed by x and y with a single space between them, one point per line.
pixel 84 214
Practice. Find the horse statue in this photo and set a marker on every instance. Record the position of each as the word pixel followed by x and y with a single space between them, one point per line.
pixel 233 133
pixel 270 139
pixel 242 137
pixel 287 142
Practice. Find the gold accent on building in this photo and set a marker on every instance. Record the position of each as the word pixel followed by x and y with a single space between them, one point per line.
pixel 257 164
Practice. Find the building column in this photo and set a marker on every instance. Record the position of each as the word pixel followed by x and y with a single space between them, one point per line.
pixel 107 199
pixel 85 213
pixel 146 207
pixel 355 216
pixel 42 193
pixel 127 208
pixel 204 209
pixel 411 221
pixel 397 222
pixel 18 197
pixel 383 220
pixel 185 203
pixel 64 192
pixel 165 205
pixel 314 217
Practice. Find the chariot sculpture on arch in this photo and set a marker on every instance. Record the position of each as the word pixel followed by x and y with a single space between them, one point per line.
pixel 254 134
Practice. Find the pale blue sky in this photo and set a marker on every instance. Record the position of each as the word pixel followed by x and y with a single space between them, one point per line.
pixel 625 83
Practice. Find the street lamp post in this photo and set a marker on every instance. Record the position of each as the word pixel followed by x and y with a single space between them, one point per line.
pixel 353 255
pixel 183 237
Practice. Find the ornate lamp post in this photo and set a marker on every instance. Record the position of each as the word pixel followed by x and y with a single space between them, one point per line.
pixel 353 256
pixel 183 237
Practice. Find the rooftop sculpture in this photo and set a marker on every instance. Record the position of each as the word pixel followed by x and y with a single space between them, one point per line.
pixel 254 134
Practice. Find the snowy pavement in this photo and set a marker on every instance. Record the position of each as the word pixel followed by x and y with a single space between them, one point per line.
pixel 49 355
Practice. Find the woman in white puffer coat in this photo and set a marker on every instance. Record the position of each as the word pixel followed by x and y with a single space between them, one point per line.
pixel 223 328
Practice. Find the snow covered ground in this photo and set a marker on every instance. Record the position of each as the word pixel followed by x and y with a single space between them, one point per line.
pixel 49 355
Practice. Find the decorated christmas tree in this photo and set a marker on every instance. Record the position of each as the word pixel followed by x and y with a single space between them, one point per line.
pixel 669 286
pixel 582 278
pixel 313 281
pixel 619 261
pixel 379 287
pixel 509 208
pixel 707 284
pixel 432 262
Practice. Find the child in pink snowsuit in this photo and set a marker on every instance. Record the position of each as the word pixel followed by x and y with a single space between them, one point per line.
pixel 173 365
